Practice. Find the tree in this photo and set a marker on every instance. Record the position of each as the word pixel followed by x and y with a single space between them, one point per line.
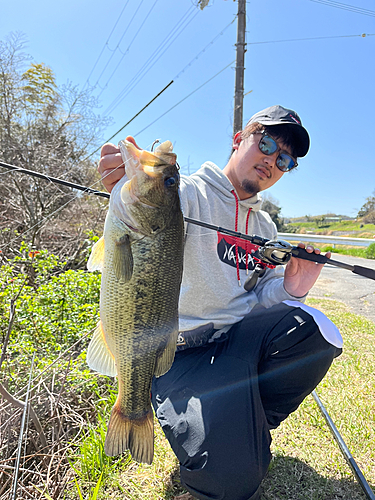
pixel 45 128
pixel 367 211
pixel 270 205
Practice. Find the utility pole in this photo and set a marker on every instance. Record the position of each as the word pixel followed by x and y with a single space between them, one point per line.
pixel 240 67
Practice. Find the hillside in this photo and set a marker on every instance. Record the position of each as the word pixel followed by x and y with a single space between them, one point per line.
pixel 330 225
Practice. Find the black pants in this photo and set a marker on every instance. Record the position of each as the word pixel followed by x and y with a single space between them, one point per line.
pixel 218 402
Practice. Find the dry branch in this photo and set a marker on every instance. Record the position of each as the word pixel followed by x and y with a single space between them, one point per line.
pixel 20 404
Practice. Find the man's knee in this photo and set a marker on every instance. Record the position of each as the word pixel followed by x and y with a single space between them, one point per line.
pixel 296 358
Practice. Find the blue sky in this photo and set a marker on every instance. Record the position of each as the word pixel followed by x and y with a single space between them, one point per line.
pixel 328 80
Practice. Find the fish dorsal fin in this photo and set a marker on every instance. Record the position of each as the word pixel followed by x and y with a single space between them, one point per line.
pixel 99 357
pixel 166 357
pixel 123 259
pixel 96 259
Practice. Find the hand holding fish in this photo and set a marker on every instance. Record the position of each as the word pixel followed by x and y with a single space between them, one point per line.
pixel 110 166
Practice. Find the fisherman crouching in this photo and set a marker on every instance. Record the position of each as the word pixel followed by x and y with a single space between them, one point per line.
pixel 244 360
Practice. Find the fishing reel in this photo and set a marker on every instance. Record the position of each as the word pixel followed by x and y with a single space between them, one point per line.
pixel 276 252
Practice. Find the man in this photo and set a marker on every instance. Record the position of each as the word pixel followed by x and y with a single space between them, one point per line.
pixel 245 359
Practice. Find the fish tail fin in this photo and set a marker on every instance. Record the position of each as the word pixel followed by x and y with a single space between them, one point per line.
pixel 135 435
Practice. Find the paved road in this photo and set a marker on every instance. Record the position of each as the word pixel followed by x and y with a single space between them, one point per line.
pixel 355 291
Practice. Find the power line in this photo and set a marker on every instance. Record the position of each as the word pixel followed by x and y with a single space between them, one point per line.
pixel 205 48
pixel 115 103
pixel 344 6
pixel 363 35
pixel 184 99
pixel 128 48
pixel 117 46
pixel 105 45
pixel 169 39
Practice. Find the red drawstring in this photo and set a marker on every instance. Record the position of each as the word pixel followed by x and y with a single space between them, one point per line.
pixel 247 253
pixel 236 244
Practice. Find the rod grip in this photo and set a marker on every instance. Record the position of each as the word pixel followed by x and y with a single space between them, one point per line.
pixel 301 253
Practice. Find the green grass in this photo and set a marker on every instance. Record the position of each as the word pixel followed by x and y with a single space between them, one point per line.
pixel 335 226
pixel 365 253
pixel 346 228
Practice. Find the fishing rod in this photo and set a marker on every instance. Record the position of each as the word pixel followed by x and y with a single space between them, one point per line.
pixel 272 252
pixel 344 449
pixel 53 179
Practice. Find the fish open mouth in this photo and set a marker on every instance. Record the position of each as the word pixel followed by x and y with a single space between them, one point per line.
pixel 151 163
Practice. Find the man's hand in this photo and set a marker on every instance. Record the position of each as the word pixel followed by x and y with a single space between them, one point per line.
pixel 300 275
pixel 108 166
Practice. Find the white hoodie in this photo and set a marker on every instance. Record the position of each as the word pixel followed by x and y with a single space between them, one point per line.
pixel 210 291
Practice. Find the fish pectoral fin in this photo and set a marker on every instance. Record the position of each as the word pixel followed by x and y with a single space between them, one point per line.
pixel 123 259
pixel 99 357
pixel 133 434
pixel 166 357
pixel 96 259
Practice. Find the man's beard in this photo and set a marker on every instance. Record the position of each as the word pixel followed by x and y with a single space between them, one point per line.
pixel 250 187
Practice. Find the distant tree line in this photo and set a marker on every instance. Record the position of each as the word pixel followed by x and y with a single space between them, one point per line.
pixel 271 206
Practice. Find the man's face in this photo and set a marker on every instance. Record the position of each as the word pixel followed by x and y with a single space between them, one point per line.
pixel 252 170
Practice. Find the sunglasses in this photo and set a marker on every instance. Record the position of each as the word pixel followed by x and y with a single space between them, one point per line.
pixel 284 161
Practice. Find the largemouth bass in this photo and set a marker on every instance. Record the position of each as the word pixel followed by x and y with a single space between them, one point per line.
pixel 140 256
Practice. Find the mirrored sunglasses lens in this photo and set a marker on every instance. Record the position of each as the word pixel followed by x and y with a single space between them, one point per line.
pixel 267 145
pixel 285 162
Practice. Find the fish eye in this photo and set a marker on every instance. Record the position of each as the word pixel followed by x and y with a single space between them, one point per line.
pixel 169 182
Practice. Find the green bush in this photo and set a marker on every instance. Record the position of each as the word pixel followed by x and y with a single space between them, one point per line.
pixel 370 251
pixel 53 308
pixel 328 248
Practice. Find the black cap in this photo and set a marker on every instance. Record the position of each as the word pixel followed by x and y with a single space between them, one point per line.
pixel 277 115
